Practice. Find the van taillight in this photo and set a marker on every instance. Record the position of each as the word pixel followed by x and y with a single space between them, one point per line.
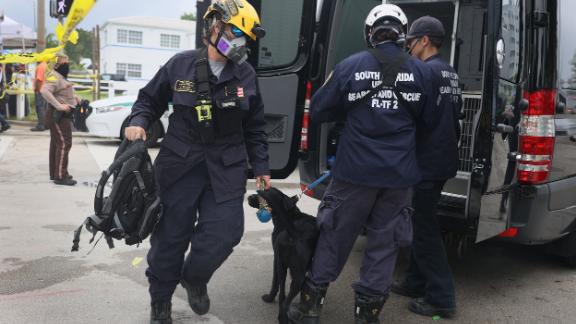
pixel 537 137
pixel 306 119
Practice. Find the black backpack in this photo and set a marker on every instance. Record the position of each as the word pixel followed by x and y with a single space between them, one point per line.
pixel 82 111
pixel 132 210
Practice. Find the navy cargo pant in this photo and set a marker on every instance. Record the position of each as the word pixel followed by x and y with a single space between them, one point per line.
pixel 192 219
pixel 429 272
pixel 345 210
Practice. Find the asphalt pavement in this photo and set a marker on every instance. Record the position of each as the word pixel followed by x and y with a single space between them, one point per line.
pixel 41 281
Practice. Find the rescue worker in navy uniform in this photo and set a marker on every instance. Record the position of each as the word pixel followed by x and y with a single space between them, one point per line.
pixel 375 166
pixel 201 168
pixel 429 278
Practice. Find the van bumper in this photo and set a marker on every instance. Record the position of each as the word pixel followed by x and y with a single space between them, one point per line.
pixel 543 213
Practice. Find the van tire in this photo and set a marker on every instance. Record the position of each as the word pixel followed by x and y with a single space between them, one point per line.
pixel 153 134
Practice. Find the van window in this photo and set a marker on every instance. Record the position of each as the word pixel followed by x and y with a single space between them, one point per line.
pixel 511 35
pixel 348 32
pixel 282 20
pixel 567 52
pixel 469 60
pixel 441 10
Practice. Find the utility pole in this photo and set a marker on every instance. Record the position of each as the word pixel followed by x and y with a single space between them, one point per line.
pixel 96 61
pixel 41 42
pixel 1 39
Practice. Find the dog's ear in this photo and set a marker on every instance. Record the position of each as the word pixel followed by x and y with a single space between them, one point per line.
pixel 290 202
pixel 253 201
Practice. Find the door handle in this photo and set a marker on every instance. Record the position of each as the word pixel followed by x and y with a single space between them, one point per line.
pixel 504 129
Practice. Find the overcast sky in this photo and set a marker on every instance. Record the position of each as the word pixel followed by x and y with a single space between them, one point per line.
pixel 24 11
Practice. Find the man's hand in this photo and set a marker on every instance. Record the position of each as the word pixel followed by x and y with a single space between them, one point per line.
pixel 65 108
pixel 133 133
pixel 263 180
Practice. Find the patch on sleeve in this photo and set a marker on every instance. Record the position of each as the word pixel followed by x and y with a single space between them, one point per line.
pixel 185 86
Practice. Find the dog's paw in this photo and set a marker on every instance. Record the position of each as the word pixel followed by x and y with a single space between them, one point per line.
pixel 268 298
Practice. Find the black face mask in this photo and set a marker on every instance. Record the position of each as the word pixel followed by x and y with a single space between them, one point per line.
pixel 63 69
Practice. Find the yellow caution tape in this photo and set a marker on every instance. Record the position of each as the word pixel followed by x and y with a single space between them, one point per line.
pixel 19 91
pixel 29 58
pixel 79 11
pixel 82 76
pixel 65 33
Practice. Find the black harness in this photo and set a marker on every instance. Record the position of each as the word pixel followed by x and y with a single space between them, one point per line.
pixel 204 108
pixel 389 69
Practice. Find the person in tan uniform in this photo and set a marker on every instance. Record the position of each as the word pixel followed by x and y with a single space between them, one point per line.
pixel 59 93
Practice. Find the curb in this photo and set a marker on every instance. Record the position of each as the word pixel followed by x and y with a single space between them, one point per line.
pixel 30 123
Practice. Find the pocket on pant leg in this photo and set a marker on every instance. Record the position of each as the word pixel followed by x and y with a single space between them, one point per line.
pixel 403 231
pixel 327 212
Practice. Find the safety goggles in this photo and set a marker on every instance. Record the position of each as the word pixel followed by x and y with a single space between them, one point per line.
pixel 410 44
pixel 237 32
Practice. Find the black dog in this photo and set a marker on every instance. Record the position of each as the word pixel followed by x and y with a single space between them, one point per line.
pixel 293 240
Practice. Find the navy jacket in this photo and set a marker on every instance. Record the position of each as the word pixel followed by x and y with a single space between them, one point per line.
pixel 438 142
pixel 377 147
pixel 239 125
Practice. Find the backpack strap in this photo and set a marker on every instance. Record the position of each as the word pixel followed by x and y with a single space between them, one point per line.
pixel 203 75
pixel 126 151
pixel 204 111
pixel 91 229
pixel 389 70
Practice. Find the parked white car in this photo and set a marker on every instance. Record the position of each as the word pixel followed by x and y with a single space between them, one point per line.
pixel 110 117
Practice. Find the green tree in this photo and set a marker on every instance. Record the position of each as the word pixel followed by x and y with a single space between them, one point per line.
pixel 51 41
pixel 75 52
pixel 82 49
pixel 188 16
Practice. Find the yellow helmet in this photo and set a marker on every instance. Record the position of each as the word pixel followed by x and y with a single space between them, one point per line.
pixel 238 13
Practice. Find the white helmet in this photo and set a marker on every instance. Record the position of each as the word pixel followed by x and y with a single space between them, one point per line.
pixel 385 16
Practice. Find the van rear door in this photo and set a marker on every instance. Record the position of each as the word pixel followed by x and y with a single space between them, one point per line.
pixel 496 137
pixel 281 62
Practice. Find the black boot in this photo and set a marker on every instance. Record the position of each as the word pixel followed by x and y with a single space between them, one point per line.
pixel 197 297
pixel 421 307
pixel 367 309
pixel 307 311
pixel 161 312
pixel 401 288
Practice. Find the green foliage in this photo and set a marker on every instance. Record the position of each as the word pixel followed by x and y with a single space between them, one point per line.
pixel 75 52
pixel 51 41
pixel 188 16
pixel 82 49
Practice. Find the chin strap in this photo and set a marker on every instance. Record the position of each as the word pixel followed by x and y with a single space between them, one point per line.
pixel 214 44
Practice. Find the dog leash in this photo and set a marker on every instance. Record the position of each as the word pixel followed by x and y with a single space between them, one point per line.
pixel 314 184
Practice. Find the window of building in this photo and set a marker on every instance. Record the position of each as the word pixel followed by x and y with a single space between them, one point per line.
pixel 169 41
pixel 135 37
pixel 129 37
pixel 129 70
pixel 122 36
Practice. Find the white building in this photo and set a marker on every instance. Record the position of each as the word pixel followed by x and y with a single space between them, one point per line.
pixel 137 46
